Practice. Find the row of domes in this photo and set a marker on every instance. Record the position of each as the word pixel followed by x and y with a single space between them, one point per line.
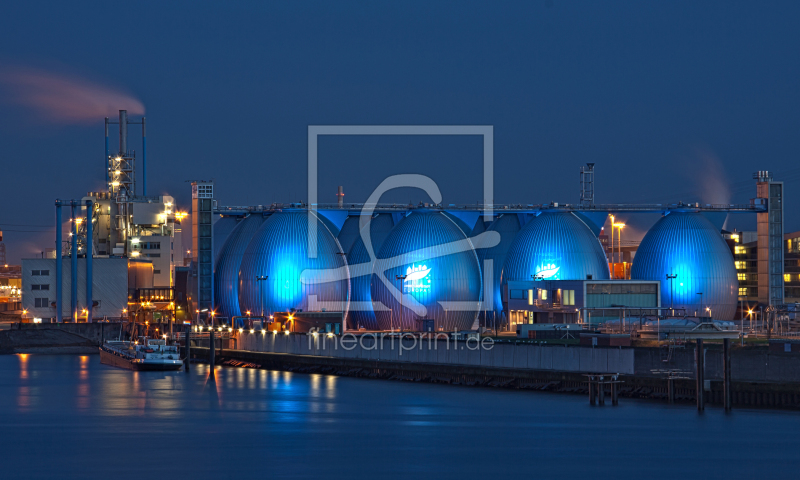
pixel 431 257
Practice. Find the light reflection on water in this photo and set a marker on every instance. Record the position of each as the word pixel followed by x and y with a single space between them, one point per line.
pixel 92 420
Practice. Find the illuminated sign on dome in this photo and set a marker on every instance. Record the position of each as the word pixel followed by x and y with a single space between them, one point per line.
pixel 417 278
pixel 547 271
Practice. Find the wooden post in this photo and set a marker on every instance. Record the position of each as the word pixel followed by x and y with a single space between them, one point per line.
pixel 211 349
pixel 699 375
pixel 187 348
pixel 671 390
pixel 602 392
pixel 614 392
pixel 726 368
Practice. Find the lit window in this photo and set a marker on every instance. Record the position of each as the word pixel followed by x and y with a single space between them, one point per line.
pixel 742 291
pixel 787 277
pixel 542 294
pixel 569 297
pixel 739 250
pixel 740 265
pixel 530 297
pixel 742 276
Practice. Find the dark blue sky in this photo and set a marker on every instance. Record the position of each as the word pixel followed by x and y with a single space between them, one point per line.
pixel 672 100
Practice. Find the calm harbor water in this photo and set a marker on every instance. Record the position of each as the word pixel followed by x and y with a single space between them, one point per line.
pixel 64 416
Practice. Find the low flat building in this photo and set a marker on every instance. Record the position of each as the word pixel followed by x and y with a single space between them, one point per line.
pixel 579 301
pixel 110 288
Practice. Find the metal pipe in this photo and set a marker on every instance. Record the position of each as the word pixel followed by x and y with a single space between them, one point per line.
pixel 123 133
pixel 89 248
pixel 59 273
pixel 74 273
pixel 144 158
pixel 106 161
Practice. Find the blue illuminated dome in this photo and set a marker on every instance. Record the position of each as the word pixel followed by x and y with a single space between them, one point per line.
pixel 279 250
pixel 361 311
pixel 443 279
pixel 226 271
pixel 555 246
pixel 689 246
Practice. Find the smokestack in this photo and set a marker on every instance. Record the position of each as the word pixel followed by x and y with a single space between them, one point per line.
pixel 123 132
pixel 340 196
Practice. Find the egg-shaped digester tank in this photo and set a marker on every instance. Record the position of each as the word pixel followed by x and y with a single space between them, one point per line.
pixel 229 261
pixel 442 275
pixel 687 245
pixel 555 246
pixel 279 252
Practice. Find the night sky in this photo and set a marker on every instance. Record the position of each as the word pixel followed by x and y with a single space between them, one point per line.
pixel 672 100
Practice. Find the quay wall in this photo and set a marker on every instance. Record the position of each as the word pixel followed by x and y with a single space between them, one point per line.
pixel 446 352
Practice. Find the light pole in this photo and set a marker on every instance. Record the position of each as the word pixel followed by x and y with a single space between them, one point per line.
pixel 620 226
pixel 402 279
pixel 671 277
pixel 701 300
pixel 261 278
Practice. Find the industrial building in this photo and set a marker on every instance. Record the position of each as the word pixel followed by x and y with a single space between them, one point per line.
pixel 390 266
pixel 121 253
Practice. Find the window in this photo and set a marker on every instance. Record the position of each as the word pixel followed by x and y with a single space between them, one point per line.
pixel 41 302
pixel 542 294
pixel 739 250
pixel 568 297
pixel 742 276
pixel 516 294
pixel 740 265
pixel 787 277
pixel 40 287
pixel 40 272
pixel 156 272
pixel 742 291
pixel 530 297
pixel 153 255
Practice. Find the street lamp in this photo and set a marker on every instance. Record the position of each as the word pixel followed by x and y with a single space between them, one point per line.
pixel 261 278
pixel 671 277
pixel 620 226
pixel 701 299
pixel 402 279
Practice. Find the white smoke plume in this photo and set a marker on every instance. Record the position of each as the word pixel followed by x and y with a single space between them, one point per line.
pixel 709 176
pixel 64 98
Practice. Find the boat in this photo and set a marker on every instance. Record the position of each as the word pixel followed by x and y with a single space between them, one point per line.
pixel 148 355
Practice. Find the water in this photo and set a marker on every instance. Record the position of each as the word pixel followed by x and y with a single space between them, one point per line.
pixel 71 417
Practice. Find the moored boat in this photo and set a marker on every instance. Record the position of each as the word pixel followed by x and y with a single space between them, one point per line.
pixel 150 354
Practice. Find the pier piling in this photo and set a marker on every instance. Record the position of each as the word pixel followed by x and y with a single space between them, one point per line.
pixel 726 372
pixel 699 377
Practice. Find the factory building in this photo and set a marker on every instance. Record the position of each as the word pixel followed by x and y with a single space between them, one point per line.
pixel 121 252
